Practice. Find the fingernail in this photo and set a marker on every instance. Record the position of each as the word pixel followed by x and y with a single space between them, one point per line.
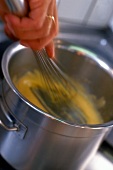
pixel 51 52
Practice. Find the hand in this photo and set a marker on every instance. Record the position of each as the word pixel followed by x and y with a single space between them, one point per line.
pixel 37 30
pixel 3 9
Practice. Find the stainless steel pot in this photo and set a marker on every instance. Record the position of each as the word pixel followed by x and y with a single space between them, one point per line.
pixel 32 139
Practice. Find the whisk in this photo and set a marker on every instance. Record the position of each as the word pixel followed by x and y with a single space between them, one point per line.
pixel 53 79
pixel 58 92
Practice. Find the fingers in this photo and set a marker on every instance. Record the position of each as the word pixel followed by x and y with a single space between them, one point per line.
pixel 43 41
pixel 37 30
pixel 35 19
pixel 39 8
pixel 9 34
pixel 55 14
pixel 50 49
pixel 3 6
pixel 32 32
pixel 3 9
pixel 38 44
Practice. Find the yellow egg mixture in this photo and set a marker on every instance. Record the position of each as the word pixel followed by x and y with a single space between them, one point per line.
pixel 82 99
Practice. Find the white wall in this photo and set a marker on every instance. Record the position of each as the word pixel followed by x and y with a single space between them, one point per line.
pixel 91 12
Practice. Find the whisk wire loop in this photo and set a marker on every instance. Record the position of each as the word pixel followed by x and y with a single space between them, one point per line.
pixel 57 92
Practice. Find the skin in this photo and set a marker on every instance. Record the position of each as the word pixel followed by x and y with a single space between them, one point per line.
pixel 35 30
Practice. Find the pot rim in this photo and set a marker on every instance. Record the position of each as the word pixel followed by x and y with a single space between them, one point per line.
pixel 17 46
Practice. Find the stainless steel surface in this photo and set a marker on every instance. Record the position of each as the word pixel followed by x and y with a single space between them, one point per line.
pixel 99 162
pixel 46 137
pixel 18 7
pixel 7 128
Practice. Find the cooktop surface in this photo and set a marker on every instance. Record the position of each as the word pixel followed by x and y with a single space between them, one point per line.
pixel 103 160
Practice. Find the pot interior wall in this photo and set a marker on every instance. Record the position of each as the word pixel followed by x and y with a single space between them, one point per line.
pixel 21 62
pixel 80 66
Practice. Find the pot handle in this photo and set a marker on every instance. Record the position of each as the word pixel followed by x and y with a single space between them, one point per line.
pixel 8 128
pixel 16 126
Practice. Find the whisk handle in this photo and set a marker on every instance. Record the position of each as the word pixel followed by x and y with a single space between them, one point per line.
pixel 17 7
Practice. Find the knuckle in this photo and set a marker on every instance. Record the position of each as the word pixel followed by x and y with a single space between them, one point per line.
pixel 47 32
pixel 18 34
pixel 38 25
pixel 38 45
